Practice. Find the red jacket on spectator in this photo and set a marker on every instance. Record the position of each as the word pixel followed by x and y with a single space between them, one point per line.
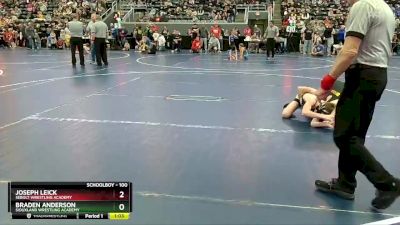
pixel 8 36
pixel 196 45
pixel 155 28
pixel 216 30
pixel 247 31
pixel 29 7
pixel 285 23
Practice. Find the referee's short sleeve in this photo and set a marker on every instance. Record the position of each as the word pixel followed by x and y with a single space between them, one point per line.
pixel 359 19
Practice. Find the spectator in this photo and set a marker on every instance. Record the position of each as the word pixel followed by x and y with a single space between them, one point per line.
pixel 395 44
pixel 341 34
pixel 126 47
pixel 37 39
pixel 307 37
pixel 216 31
pixel 53 40
pixel 231 39
pixel 196 45
pixel 3 43
pixel 8 37
pixel 247 32
pixel 257 31
pixel 194 31
pixel 156 35
pixel 243 53
pixel 337 48
pixel 165 31
pixel 89 30
pixel 317 39
pixel 328 37
pixel 177 40
pixel 144 45
pixel 139 35
pixel 204 37
pixel 318 50
pixel 254 43
pixel 30 36
pixel 161 42
pixel 233 54
pixel 214 44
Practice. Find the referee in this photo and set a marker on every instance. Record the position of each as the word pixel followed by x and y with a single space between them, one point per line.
pixel 364 59
pixel 89 29
pixel 271 33
pixel 99 36
pixel 76 28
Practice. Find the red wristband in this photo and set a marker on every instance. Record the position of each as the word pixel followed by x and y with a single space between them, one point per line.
pixel 327 82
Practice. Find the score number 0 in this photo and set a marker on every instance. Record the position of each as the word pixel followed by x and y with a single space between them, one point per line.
pixel 122 195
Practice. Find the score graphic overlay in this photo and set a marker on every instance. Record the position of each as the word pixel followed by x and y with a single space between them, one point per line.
pixel 70 200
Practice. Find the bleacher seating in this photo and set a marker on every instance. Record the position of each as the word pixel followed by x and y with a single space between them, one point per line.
pixel 318 10
pixel 187 10
pixel 50 15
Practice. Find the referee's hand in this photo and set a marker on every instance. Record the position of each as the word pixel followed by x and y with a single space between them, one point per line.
pixel 321 94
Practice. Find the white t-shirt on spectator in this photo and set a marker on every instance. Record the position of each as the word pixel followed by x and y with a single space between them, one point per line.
pixel 117 25
pixel 161 40
pixel 156 36
pixel 301 24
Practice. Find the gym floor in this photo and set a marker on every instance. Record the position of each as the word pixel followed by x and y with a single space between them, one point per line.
pixel 200 137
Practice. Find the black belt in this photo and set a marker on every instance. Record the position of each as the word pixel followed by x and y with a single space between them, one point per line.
pixel 363 66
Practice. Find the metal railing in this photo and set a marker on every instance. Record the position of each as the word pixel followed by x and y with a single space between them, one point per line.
pixel 128 6
pixel 257 7
pixel 129 19
pixel 246 14
pixel 112 9
pixel 271 12
pixel 129 16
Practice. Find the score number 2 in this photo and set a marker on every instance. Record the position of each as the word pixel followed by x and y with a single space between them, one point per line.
pixel 121 195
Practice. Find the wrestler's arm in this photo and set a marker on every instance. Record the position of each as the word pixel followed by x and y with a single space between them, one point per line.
pixel 334 109
pixel 301 90
pixel 320 124
pixel 325 123
pixel 306 111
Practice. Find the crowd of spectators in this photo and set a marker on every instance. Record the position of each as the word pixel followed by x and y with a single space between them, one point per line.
pixel 152 38
pixel 82 7
pixel 317 13
pixel 21 20
pixel 193 10
pixel 323 18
